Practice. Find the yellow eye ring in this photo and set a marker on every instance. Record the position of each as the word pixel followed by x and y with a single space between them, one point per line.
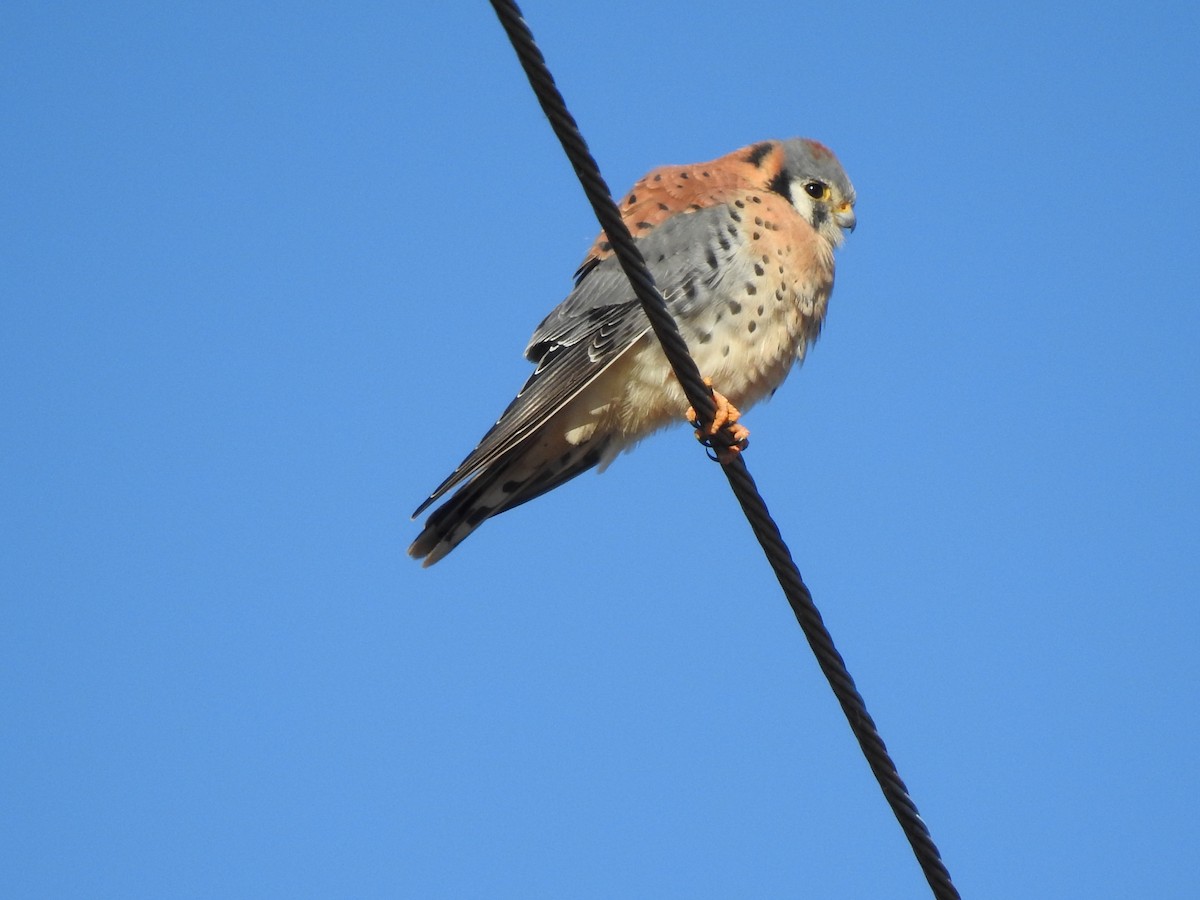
pixel 817 190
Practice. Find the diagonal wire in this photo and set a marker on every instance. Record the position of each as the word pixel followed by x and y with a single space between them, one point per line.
pixel 700 397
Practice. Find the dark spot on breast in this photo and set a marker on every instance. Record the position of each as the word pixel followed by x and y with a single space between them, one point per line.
pixel 664 207
pixel 752 327
pixel 739 204
pixel 642 226
pixel 756 199
pixel 689 289
pixel 751 288
pixel 605 246
pixel 705 173
pixel 684 175
pixel 632 199
pixel 756 235
pixel 758 220
pixel 724 242
pixel 758 269
pixel 735 307
pixel 711 259
pixel 705 338
pixel 725 350
pixel 761 309
pixel 732 229
pixel 735 215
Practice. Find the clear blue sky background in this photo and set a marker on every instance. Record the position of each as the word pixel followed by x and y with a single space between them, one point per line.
pixel 267 272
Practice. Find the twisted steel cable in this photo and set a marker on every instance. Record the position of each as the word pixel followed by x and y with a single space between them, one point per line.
pixel 700 397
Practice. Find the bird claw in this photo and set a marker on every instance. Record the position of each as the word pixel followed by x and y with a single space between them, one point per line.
pixel 724 419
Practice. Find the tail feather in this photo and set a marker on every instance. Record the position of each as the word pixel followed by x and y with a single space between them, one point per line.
pixel 515 478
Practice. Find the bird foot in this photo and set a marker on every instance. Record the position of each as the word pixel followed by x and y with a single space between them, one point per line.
pixel 724 419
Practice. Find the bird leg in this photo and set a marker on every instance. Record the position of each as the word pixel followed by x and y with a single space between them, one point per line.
pixel 724 419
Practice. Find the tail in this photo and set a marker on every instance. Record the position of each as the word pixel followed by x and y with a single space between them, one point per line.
pixel 527 471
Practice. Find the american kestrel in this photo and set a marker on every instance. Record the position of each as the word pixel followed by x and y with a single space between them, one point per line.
pixel 741 249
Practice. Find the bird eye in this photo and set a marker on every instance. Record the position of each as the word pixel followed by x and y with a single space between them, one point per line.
pixel 817 190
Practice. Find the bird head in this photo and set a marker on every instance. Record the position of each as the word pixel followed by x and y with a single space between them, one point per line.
pixel 817 185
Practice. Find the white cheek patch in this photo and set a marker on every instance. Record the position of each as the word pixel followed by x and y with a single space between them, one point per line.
pixel 802 202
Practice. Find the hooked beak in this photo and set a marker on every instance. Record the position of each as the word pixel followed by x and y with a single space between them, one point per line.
pixel 844 216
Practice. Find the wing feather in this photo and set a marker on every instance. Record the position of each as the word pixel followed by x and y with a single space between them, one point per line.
pixel 598 323
pixel 564 369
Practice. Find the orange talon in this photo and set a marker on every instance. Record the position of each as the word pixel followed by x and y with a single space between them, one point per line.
pixel 725 418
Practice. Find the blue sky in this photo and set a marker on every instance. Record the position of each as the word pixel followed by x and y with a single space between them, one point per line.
pixel 267 274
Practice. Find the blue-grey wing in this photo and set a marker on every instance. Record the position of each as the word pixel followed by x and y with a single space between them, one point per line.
pixel 598 322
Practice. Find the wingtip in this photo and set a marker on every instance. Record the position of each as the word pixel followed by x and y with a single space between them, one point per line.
pixel 424 506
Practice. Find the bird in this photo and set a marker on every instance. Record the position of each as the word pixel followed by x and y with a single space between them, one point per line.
pixel 742 249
